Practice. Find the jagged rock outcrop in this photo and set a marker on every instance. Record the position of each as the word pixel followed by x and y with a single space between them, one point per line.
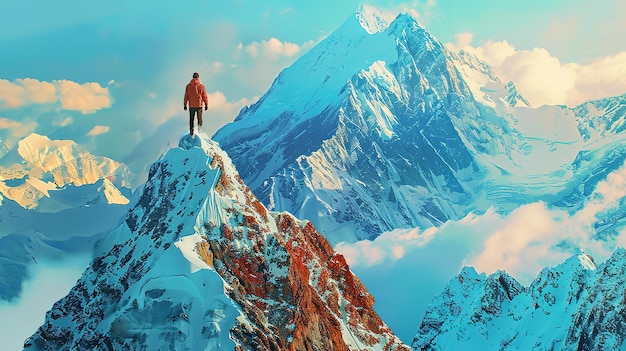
pixel 573 306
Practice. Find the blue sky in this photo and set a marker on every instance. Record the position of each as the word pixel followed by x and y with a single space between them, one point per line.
pixel 110 75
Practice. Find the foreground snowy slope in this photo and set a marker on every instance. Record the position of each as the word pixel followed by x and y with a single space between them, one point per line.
pixel 199 263
pixel 573 306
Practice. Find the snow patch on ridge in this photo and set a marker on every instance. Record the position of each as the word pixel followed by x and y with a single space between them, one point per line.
pixel 187 246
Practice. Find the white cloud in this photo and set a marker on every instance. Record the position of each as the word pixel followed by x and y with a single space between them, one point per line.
pixel 255 66
pixel 272 48
pixel 222 111
pixel 8 123
pixel 543 79
pixel 386 248
pixel 605 76
pixel 218 101
pixel 97 130
pixel 87 97
pixel 216 66
pixel 522 241
pixel 62 122
pixel 26 91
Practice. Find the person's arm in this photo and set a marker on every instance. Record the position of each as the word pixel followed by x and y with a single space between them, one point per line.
pixel 205 98
pixel 186 98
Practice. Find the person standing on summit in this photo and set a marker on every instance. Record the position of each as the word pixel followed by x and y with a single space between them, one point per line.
pixel 195 95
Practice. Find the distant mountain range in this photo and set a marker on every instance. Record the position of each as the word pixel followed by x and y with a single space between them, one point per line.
pixel 573 306
pixel 44 175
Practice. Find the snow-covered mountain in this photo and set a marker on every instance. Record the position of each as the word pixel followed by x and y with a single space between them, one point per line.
pixel 200 264
pixel 44 175
pixel 485 85
pixel 372 129
pixel 381 127
pixel 56 199
pixel 573 306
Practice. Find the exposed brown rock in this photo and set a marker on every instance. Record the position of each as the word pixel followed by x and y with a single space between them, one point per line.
pixel 305 307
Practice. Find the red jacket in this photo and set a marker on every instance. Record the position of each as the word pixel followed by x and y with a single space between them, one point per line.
pixel 195 94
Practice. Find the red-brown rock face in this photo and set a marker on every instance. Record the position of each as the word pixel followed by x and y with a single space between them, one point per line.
pixel 296 291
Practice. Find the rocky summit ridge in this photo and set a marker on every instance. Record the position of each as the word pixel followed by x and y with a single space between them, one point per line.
pixel 199 263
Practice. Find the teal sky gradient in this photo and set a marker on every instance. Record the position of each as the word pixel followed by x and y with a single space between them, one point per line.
pixel 144 53
pixel 574 31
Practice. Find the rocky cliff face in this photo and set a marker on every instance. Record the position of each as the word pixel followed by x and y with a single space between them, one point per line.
pixel 573 306
pixel 200 263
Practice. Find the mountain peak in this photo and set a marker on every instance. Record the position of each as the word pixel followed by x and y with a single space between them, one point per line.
pixel 372 19
pixel 199 263
pixel 38 165
pixel 339 116
pixel 588 262
pixel 498 313
pixel 41 140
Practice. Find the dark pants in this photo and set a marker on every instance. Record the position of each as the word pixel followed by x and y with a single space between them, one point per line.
pixel 193 111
